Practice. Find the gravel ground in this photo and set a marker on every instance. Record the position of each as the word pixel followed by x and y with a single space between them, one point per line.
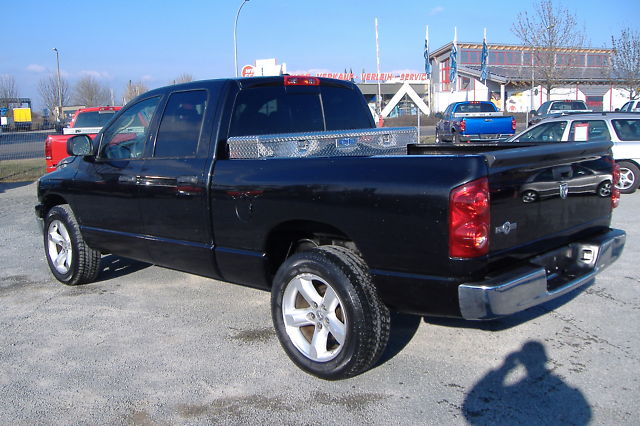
pixel 146 345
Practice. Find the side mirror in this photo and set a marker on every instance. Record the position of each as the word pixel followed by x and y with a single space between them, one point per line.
pixel 534 112
pixel 439 115
pixel 79 145
pixel 617 110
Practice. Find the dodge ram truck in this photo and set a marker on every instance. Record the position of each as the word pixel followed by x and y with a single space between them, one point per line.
pixel 471 121
pixel 284 184
pixel 85 120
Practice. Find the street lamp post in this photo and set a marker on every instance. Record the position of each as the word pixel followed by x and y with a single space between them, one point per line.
pixel 59 85
pixel 235 40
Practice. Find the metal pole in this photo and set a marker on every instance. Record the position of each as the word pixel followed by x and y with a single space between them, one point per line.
pixel 59 85
pixel 235 39
pixel 378 65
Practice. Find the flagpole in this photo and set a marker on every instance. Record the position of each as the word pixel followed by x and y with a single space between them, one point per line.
pixel 378 64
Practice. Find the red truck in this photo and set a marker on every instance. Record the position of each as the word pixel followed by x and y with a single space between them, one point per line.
pixel 86 121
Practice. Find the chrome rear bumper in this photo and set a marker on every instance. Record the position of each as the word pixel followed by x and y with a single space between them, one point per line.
pixel 545 277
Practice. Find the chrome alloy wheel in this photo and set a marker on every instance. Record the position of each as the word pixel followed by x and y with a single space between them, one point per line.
pixel 314 318
pixel 627 178
pixel 60 249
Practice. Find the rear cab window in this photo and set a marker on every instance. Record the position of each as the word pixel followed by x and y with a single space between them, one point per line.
pixel 279 109
pixel 568 106
pixel 94 118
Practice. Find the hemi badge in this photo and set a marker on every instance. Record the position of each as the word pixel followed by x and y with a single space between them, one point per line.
pixel 506 228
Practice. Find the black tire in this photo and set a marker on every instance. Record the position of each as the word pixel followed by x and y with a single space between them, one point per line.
pixel 629 174
pixel 358 309
pixel 78 263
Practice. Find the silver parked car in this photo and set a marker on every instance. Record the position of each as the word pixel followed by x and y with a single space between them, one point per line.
pixel 623 129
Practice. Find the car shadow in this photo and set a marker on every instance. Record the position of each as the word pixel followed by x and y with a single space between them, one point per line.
pixel 112 266
pixel 524 391
pixel 6 186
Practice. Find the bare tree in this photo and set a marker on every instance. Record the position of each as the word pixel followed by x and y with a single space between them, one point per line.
pixel 625 62
pixel 7 89
pixel 183 78
pixel 550 32
pixel 90 92
pixel 132 90
pixel 48 90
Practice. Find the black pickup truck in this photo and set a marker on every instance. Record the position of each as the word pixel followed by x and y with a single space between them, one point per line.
pixel 285 184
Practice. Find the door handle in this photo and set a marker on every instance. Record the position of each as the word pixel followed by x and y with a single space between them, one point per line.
pixel 188 185
pixel 127 179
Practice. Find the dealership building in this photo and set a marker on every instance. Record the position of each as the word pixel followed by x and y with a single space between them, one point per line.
pixel 582 73
pixel 514 80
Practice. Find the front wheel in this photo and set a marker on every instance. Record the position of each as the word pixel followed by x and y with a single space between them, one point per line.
pixel 327 313
pixel 629 174
pixel 70 259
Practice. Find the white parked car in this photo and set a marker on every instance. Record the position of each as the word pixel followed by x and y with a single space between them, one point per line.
pixel 623 129
pixel 631 106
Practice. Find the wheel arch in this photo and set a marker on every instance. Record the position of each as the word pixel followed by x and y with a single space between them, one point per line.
pixel 50 201
pixel 292 237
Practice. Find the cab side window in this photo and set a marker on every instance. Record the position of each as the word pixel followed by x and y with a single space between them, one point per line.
pixel 589 130
pixel 125 138
pixel 181 123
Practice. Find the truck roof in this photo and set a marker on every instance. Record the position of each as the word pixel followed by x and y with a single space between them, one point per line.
pixel 247 82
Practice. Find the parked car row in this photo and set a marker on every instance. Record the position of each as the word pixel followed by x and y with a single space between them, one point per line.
pixel 623 129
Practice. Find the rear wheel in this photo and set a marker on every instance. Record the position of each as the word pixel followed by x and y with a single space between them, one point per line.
pixel 629 173
pixel 327 313
pixel 70 259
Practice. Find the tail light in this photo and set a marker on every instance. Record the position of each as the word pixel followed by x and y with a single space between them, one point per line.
pixel 294 80
pixel 469 219
pixel 463 126
pixel 47 148
pixel 615 192
pixel 513 124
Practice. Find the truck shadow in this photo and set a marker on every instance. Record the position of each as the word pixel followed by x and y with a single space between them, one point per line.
pixel 523 391
pixel 403 328
pixel 114 267
pixel 508 322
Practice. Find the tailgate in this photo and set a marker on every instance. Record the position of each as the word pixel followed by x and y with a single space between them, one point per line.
pixel 547 195
pixel 488 125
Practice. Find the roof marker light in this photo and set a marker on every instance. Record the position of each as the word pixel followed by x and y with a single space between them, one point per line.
pixel 301 80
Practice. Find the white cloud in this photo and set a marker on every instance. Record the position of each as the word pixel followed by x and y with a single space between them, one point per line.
pixel 36 68
pixel 98 75
pixel 147 77
pixel 436 10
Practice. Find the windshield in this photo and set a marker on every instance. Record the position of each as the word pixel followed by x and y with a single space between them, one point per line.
pixel 93 118
pixel 545 132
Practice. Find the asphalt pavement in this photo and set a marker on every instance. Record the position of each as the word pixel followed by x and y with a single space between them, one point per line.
pixel 146 345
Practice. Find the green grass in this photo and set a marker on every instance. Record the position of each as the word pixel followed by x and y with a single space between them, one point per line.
pixel 21 170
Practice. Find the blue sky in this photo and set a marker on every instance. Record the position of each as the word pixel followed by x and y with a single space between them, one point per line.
pixel 155 41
